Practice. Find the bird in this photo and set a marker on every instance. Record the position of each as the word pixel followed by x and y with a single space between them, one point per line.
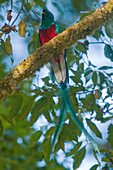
pixel 59 71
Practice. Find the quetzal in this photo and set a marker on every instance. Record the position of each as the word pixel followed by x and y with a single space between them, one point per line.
pixel 48 30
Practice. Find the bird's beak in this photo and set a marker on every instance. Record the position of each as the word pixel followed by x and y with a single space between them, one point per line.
pixel 42 13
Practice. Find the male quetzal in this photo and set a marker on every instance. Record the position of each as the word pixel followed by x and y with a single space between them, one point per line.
pixel 48 30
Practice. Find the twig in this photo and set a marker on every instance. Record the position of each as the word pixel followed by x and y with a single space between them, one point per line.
pixel 27 15
pixel 19 12
pixel 11 4
pixel 96 43
pixel 36 15
pixel 33 12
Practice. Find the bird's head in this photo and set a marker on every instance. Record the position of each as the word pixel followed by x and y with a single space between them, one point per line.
pixel 47 15
pixel 47 19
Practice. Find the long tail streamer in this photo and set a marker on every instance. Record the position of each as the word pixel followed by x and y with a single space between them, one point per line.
pixel 66 105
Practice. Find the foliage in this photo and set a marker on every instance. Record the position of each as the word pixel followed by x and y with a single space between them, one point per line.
pixel 21 144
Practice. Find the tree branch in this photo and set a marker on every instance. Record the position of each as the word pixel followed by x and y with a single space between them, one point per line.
pixel 64 40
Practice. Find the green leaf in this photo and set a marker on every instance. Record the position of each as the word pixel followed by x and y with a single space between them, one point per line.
pixel 101 77
pixel 77 5
pixel 105 159
pixel 106 167
pixel 94 167
pixel 86 14
pixel 78 157
pixel 103 150
pixel 110 134
pixel 46 149
pixel 61 141
pixel 87 72
pixel 97 34
pixel 12 60
pixel 2 1
pixel 111 151
pixel 22 28
pixel 50 132
pixel 107 119
pixel 31 47
pixel 81 47
pixel 94 78
pixel 1 17
pixel 1 34
pixel 74 100
pixel 105 67
pixel 81 67
pixel 40 3
pixel 74 150
pixel 90 64
pixel 34 138
pixel 68 133
pixel 38 109
pixel 54 165
pixel 35 43
pixel 47 115
pixel 8 46
pixel 94 128
pixel 76 77
pixel 108 51
pixel 7 118
pixel 88 102
pixel 97 94
pixel 25 110
pixel 94 153
pixel 2 72
pixel 99 112
pixel 16 105
pixel 109 28
pixel 76 89
pixel 1 128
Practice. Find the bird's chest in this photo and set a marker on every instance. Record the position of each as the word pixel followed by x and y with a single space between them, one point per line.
pixel 47 34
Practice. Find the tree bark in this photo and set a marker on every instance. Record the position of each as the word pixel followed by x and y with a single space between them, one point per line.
pixel 64 40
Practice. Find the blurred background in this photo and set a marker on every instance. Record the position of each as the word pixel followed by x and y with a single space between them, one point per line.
pixel 27 121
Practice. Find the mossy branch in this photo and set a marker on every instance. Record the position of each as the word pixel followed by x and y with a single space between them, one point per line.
pixel 64 40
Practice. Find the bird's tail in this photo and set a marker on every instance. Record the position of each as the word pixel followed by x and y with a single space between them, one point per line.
pixel 76 119
pixel 59 124
pixel 61 117
pixel 66 104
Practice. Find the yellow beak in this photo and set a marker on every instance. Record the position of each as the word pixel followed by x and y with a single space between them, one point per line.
pixel 42 13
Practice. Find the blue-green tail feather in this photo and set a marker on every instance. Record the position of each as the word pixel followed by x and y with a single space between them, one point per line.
pixel 66 104
pixel 59 124
pixel 75 118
